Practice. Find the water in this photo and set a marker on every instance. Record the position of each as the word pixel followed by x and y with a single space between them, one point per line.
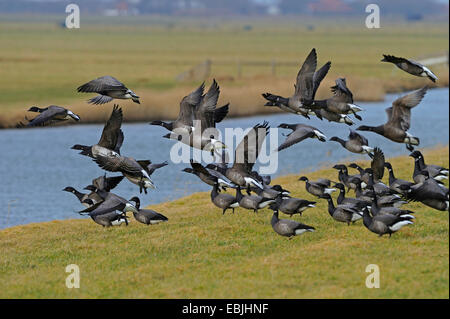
pixel 38 163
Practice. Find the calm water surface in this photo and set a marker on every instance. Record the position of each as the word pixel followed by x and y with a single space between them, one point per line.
pixel 37 164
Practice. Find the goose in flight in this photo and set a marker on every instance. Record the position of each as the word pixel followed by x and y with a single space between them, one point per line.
pixel 245 156
pixel 110 203
pixel 111 139
pixel 108 88
pixel 50 114
pixel 307 83
pixel 341 102
pixel 410 66
pixel 399 120
pixel 299 133
pixel 356 143
pixel 204 116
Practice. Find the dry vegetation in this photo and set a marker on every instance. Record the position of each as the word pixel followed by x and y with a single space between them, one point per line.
pixel 201 253
pixel 42 64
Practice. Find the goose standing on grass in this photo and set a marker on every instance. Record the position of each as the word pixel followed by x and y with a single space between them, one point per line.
pixel 222 200
pixel 410 66
pixel 108 88
pixel 291 206
pixel 111 139
pixel 147 216
pixel 399 120
pixel 430 193
pixel 341 102
pixel 307 83
pixel 385 224
pixel 287 227
pixel 299 133
pixel 253 202
pixel 379 187
pixel 342 213
pixel 377 166
pixel 436 172
pixel 318 187
pixel 395 183
pixel 50 114
pixel 356 143
pixel 342 200
pixel 376 210
pixel 271 192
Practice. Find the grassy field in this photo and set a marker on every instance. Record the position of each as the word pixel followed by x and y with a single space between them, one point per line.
pixel 42 63
pixel 201 253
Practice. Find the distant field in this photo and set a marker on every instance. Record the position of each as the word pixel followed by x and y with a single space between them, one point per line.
pixel 200 253
pixel 42 63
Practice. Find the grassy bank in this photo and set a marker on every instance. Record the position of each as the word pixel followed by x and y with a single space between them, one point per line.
pixel 42 63
pixel 201 253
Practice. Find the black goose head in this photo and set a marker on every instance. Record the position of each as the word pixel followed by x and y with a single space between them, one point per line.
pixel 354 165
pixel 339 186
pixel 416 154
pixel 286 126
pixel 188 170
pixel 136 200
pixel 388 166
pixel 340 167
pixel 303 178
pixel 70 189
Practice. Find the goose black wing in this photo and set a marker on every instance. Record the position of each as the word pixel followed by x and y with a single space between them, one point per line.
pixel 304 86
pixel 102 84
pixel 112 136
pixel 400 114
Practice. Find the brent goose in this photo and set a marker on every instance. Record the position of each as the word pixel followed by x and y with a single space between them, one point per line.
pixel 287 227
pixel 377 165
pixel 209 176
pixel 335 117
pixel 430 193
pixel 253 202
pixel 439 173
pixel 341 102
pixel 385 224
pixel 49 115
pixel 111 138
pixel 108 88
pixel 107 219
pixel 94 197
pixel 342 213
pixel 379 187
pixel 299 133
pixel 318 187
pixel 291 206
pixel 342 200
pixel 147 216
pixel 350 181
pixel 410 66
pixel 376 209
pixel 111 202
pixel 207 115
pixel 246 154
pixel 307 83
pixel 222 200
pixel 356 143
pixel 396 183
pixel 399 119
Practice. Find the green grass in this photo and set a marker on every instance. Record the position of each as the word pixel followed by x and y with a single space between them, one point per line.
pixel 200 253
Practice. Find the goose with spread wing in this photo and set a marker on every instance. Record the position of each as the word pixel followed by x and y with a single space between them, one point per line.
pixel 299 133
pixel 410 66
pixel 50 114
pixel 108 88
pixel 399 120
pixel 307 83
pixel 356 143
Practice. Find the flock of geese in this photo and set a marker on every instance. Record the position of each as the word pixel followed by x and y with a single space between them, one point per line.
pixel 377 204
